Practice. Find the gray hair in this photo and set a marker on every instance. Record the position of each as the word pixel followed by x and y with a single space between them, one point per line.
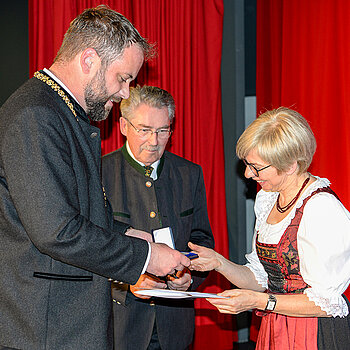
pixel 280 137
pixel 106 31
pixel 149 95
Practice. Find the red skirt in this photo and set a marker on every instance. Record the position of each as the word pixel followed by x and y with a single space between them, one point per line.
pixel 288 333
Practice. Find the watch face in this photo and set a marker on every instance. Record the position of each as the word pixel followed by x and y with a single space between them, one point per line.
pixel 271 303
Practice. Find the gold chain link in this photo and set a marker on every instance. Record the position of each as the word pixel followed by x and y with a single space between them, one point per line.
pixel 54 86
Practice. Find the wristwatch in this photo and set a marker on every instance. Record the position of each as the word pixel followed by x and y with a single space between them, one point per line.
pixel 271 303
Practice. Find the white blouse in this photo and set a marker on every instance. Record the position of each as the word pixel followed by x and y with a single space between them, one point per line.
pixel 323 245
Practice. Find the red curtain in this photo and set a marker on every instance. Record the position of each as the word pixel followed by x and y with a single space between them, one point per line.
pixel 189 37
pixel 303 62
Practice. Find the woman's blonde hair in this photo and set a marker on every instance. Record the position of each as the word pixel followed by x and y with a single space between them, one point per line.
pixel 280 137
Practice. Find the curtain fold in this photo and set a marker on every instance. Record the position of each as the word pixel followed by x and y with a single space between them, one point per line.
pixel 303 62
pixel 189 39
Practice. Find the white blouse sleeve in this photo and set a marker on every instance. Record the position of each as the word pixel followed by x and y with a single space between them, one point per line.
pixel 263 204
pixel 324 252
pixel 255 265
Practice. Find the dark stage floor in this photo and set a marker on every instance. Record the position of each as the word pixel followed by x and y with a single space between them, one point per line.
pixel 244 346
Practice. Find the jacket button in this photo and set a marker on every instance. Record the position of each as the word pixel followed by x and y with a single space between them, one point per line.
pixel 152 214
pixel 148 184
pixel 93 135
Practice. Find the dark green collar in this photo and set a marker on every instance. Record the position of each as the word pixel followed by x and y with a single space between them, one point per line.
pixel 139 167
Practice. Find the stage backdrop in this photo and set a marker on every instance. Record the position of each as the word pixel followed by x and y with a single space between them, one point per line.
pixel 189 37
pixel 303 62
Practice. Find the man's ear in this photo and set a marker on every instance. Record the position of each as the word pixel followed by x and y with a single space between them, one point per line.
pixel 123 125
pixel 89 61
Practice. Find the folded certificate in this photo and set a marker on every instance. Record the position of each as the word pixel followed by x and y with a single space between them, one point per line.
pixel 175 294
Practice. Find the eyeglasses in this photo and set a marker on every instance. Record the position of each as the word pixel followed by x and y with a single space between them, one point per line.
pixel 146 133
pixel 253 169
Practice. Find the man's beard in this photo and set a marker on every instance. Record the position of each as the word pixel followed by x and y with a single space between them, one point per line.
pixel 96 97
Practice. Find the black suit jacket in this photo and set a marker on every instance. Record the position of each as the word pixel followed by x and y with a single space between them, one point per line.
pixel 178 200
pixel 59 244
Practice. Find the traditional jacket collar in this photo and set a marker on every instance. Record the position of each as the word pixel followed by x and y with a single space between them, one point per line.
pixel 62 93
pixel 138 166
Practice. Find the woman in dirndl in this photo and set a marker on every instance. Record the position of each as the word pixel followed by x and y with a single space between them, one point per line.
pixel 299 266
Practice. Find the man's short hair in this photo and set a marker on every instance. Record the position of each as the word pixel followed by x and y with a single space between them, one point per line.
pixel 149 95
pixel 106 31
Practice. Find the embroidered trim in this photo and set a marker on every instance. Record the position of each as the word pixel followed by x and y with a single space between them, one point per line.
pixel 54 86
pixel 266 251
pixel 335 306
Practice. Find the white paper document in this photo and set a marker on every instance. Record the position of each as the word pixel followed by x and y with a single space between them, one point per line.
pixel 175 294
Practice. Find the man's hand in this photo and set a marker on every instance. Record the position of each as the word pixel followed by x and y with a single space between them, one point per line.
pixel 164 260
pixel 139 234
pixel 147 281
pixel 182 282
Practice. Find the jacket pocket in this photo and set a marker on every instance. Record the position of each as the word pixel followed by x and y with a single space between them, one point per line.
pixel 186 213
pixel 119 214
pixel 57 277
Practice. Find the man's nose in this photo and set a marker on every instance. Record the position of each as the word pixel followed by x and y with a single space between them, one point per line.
pixel 124 92
pixel 153 139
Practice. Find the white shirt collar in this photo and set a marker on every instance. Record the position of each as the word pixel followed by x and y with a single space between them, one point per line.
pixel 154 165
pixel 53 76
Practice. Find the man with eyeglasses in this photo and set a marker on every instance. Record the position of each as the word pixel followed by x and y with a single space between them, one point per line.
pixel 150 188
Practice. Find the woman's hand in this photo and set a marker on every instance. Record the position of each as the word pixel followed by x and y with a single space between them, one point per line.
pixel 238 300
pixel 208 259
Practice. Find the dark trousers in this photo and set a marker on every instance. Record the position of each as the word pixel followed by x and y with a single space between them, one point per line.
pixel 154 343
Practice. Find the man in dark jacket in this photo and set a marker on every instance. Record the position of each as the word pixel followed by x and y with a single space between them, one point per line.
pixel 59 243
pixel 169 195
